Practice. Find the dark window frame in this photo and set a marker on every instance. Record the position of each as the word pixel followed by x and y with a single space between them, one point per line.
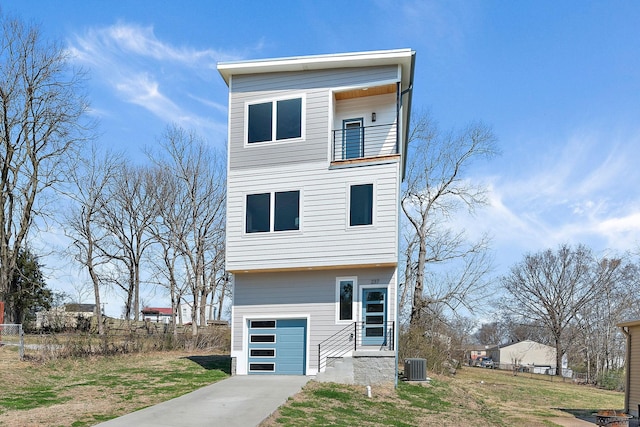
pixel 346 299
pixel 284 219
pixel 267 353
pixel 281 215
pixel 361 213
pixel 282 121
pixel 262 324
pixel 254 220
pixel 262 338
pixel 262 367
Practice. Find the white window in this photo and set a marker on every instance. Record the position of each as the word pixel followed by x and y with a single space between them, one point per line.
pixel 281 206
pixel 361 204
pixel 276 120
pixel 345 299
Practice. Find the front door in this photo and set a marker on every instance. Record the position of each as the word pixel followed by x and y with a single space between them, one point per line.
pixel 374 316
pixel 352 139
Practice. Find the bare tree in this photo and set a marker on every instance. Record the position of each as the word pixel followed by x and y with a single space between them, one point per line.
pixel 492 333
pixel 93 181
pixel 194 217
pixel 435 190
pixel 166 257
pixel 599 340
pixel 41 111
pixel 551 288
pixel 128 216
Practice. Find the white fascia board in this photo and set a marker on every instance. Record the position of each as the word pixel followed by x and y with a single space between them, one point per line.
pixel 320 62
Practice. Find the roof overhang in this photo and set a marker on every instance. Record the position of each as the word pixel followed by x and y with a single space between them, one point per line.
pixel 403 57
pixel 629 324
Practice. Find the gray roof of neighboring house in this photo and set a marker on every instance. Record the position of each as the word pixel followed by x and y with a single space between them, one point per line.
pixel 80 308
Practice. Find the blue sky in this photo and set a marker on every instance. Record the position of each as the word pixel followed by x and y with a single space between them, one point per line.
pixel 559 82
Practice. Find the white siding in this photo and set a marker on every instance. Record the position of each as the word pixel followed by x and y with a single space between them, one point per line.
pixel 385 108
pixel 308 293
pixel 324 238
pixel 528 353
pixel 317 86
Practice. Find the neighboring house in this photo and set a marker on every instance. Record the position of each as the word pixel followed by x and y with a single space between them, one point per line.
pixel 539 358
pixel 632 390
pixel 163 314
pixel 474 352
pixel 316 155
pixel 65 317
pixel 157 314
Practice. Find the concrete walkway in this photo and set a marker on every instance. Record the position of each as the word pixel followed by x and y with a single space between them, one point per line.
pixel 236 401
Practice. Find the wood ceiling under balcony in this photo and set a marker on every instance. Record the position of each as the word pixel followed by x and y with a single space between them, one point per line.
pixel 370 91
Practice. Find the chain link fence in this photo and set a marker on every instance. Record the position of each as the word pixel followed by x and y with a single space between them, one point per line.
pixel 12 335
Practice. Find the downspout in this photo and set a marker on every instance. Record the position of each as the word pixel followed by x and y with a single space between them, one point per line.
pixel 409 92
pixel 625 330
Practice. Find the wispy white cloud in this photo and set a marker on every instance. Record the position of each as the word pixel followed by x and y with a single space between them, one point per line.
pixel 582 191
pixel 143 70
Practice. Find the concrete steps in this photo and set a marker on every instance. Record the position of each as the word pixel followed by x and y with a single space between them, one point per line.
pixel 339 370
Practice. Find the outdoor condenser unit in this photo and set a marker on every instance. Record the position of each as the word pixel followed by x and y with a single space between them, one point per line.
pixel 415 369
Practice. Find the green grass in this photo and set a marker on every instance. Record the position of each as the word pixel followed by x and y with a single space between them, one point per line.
pixel 129 382
pixel 30 397
pixel 322 404
pixel 473 397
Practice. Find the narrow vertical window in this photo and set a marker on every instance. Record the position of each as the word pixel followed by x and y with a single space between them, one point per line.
pixel 287 211
pixel 289 119
pixel 346 299
pixel 258 218
pixel 361 205
pixel 260 122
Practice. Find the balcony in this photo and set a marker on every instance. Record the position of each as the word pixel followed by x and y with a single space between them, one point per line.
pixel 355 141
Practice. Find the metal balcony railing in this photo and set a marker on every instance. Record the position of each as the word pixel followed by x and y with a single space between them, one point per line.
pixel 350 338
pixel 358 142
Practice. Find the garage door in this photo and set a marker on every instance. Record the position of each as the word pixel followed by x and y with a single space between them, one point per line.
pixel 277 346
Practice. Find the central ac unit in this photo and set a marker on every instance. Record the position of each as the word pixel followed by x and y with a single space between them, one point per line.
pixel 415 369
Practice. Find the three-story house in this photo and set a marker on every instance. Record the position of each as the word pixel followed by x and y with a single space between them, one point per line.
pixel 316 150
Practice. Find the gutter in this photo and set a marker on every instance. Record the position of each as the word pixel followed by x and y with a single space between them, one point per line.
pixel 409 92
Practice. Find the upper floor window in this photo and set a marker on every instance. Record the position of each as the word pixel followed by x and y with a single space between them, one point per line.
pixel 361 205
pixel 258 212
pixel 282 206
pixel 274 120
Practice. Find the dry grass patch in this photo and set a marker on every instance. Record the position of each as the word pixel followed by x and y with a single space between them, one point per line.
pixel 475 396
pixel 416 404
pixel 81 392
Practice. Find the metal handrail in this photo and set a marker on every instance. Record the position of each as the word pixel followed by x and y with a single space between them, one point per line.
pixel 348 339
pixel 365 141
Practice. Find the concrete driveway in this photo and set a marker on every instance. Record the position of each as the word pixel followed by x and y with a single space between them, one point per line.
pixel 236 401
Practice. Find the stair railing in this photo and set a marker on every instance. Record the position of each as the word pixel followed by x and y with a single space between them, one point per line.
pixel 350 339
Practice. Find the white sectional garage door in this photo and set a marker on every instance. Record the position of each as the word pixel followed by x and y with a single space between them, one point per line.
pixel 277 346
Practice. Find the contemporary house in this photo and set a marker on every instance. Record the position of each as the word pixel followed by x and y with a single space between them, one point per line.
pixel 316 150
pixel 631 330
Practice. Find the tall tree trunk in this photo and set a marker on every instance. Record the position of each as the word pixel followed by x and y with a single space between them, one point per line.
pixel 418 297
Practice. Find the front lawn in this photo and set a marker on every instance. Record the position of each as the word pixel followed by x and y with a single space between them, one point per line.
pixel 475 396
